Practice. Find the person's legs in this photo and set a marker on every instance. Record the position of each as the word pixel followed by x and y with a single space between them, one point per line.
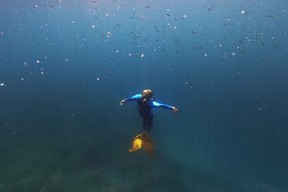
pixel 147 122
pixel 144 123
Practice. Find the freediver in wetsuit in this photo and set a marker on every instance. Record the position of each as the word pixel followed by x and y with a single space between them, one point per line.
pixel 145 104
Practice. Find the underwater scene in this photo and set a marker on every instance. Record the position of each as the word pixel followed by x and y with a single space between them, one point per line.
pixel 217 70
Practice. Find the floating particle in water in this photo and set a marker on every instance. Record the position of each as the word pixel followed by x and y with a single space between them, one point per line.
pixel 129 54
pixel 93 26
pixel 242 12
pixel 260 109
pixel 22 79
pixel 184 16
pixel 38 61
pixel 227 19
pixel 142 55
pixel 2 84
pixel 97 78
pixel 109 34
pixel 73 22
pixel 205 55
pixel 233 54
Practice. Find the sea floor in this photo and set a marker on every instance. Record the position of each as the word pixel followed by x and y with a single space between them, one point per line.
pixel 85 164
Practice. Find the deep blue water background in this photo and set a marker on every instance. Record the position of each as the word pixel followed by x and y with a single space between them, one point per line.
pixel 65 65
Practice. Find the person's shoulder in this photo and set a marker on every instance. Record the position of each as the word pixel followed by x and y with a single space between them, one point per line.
pixel 156 104
pixel 137 96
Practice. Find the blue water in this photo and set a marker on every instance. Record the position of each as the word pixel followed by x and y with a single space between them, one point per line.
pixel 65 66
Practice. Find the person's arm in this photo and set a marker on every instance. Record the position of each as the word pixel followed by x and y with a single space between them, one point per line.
pixel 133 98
pixel 157 104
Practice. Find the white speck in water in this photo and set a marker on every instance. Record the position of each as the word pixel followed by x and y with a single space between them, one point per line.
pixel 109 34
pixel 242 12
pixel 37 61
pixel 205 54
pixel 142 55
pixel 233 54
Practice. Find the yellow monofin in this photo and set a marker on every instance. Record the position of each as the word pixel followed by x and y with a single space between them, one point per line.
pixel 142 141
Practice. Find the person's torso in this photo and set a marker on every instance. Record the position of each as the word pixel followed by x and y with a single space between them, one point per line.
pixel 145 105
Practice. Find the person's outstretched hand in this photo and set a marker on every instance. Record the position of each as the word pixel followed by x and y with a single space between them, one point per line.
pixel 175 109
pixel 122 102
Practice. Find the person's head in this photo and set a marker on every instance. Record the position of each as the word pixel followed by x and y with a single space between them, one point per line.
pixel 147 93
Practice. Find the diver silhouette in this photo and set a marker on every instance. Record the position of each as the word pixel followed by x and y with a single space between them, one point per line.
pixel 145 104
